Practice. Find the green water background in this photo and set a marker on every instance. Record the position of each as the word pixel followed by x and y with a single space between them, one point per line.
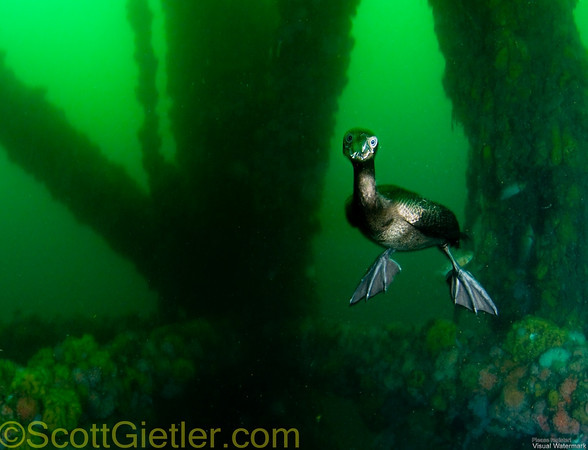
pixel 81 53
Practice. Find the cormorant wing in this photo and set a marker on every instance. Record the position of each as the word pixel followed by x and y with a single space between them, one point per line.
pixel 429 217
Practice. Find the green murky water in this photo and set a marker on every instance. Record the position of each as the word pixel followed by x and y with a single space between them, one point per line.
pixel 81 56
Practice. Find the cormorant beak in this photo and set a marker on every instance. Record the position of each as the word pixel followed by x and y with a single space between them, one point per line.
pixel 367 149
pixel 359 145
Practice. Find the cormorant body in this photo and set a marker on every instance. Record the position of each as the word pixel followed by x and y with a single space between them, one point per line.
pixel 401 220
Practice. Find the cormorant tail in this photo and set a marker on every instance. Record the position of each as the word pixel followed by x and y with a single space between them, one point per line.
pixel 466 290
pixel 378 277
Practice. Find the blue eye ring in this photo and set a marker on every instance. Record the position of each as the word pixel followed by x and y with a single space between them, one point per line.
pixel 349 138
pixel 373 141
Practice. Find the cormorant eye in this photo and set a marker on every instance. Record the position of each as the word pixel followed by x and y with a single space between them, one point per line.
pixel 373 141
pixel 349 138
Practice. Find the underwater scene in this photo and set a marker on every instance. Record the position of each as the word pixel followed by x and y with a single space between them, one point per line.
pixel 197 251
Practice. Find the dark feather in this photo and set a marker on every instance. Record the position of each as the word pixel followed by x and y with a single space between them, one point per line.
pixel 430 218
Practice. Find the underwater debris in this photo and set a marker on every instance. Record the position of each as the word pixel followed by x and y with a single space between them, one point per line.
pixel 80 381
pixel 554 357
pixel 26 409
pixel 512 189
pixel 503 397
pixel 440 335
pixel 565 424
pixel 532 336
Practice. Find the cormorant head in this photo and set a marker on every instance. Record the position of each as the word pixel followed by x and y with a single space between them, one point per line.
pixel 360 145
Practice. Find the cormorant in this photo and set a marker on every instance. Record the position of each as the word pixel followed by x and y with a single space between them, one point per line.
pixel 401 220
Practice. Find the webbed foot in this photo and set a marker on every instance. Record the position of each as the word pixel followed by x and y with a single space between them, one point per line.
pixel 378 277
pixel 466 290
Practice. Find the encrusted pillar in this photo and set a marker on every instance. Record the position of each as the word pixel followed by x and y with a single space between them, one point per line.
pixel 517 74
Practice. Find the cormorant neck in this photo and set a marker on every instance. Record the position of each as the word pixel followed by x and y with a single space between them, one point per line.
pixel 364 182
